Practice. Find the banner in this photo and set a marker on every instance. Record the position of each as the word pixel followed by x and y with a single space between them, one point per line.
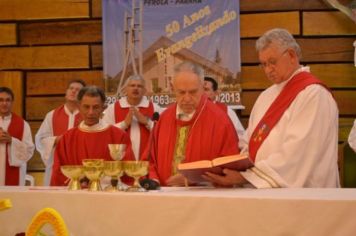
pixel 149 37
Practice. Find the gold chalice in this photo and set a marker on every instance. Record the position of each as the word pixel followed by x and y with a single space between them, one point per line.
pixel 112 169
pixel 73 172
pixel 136 169
pixel 117 152
pixel 93 170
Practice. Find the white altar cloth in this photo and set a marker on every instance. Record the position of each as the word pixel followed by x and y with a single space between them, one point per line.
pixel 187 211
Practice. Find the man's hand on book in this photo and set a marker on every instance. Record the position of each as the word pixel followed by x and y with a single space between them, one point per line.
pixel 229 179
pixel 177 180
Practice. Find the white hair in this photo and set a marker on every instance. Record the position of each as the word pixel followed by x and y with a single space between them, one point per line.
pixel 134 77
pixel 281 38
pixel 189 66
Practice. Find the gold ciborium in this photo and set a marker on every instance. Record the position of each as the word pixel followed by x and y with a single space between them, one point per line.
pixel 73 172
pixel 113 169
pixel 93 170
pixel 117 152
pixel 136 169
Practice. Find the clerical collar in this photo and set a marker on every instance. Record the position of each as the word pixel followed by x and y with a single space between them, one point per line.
pixel 6 117
pixel 182 115
pixel 67 111
pixel 297 71
pixel 94 128
pixel 143 103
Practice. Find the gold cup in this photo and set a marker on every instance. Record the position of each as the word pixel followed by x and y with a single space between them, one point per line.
pixel 114 170
pixel 117 151
pixel 136 169
pixel 93 170
pixel 73 172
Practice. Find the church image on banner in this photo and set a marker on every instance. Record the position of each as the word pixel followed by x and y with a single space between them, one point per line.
pixel 149 40
pixel 158 75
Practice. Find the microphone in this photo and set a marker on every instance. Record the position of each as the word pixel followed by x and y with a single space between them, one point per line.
pixel 155 117
pixel 147 183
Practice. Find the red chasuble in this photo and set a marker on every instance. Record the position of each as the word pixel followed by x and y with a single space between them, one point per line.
pixel 222 106
pixel 60 121
pixel 76 145
pixel 120 115
pixel 211 135
pixel 15 129
pixel 298 83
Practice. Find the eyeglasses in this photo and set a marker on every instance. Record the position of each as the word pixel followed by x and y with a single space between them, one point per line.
pixel 272 62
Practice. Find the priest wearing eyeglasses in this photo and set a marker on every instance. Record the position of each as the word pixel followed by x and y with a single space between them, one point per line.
pixel 292 133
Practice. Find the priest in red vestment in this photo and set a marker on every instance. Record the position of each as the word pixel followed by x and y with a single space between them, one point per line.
pixel 90 139
pixel 16 146
pixel 133 113
pixel 191 129
pixel 57 122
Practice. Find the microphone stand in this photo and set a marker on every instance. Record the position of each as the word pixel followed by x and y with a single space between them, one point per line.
pixel 148 183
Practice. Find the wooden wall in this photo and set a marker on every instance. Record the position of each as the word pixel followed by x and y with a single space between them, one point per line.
pixel 44 44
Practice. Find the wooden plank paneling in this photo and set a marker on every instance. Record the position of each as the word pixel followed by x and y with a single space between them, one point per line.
pixel 44 57
pixel 46 83
pixel 333 75
pixel 248 51
pixel 336 75
pixel 43 9
pixel 34 125
pixel 327 23
pixel 279 5
pixel 345 100
pixel 248 99
pixel 14 80
pixel 8 34
pixel 96 8
pixel 328 50
pixel 253 77
pixel 39 106
pixel 345 125
pixel 244 122
pixel 266 21
pixel 60 32
pixel 96 56
pixel 35 163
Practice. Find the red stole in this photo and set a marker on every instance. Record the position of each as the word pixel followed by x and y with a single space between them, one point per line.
pixel 60 121
pixel 211 135
pixel 120 115
pixel 298 83
pixel 222 106
pixel 15 129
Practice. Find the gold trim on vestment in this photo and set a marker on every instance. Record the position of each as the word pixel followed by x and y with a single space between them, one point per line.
pixel 265 177
pixel 180 147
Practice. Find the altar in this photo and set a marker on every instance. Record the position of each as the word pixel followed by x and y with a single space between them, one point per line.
pixel 186 211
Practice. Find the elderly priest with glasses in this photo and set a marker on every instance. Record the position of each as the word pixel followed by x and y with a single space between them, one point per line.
pixel 292 133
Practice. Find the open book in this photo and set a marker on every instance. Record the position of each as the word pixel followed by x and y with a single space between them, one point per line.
pixel 194 170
